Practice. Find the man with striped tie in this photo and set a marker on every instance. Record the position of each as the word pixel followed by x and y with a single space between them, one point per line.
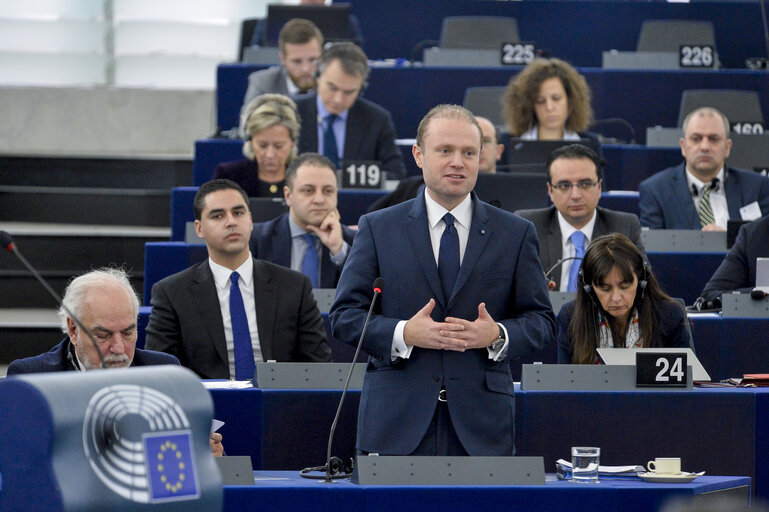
pixel 703 192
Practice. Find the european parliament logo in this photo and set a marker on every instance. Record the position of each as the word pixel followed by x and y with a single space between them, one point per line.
pixel 170 466
pixel 138 443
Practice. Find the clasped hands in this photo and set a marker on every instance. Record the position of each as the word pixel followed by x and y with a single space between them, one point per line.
pixel 451 334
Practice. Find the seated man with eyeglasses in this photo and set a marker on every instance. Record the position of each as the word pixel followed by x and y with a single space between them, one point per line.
pixel 564 230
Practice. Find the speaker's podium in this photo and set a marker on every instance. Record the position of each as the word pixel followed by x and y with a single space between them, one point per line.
pixel 127 440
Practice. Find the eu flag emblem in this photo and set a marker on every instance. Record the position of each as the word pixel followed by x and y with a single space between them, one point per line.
pixel 170 466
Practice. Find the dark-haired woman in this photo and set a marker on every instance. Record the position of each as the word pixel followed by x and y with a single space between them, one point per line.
pixel 619 304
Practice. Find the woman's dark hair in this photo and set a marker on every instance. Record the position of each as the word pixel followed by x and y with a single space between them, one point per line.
pixel 603 254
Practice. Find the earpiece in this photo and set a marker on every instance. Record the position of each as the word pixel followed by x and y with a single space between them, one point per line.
pixel 644 279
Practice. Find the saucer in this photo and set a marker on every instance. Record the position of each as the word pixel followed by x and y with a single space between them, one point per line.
pixel 670 478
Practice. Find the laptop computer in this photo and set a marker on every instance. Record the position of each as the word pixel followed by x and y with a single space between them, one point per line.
pixel 332 20
pixel 528 155
pixel 626 357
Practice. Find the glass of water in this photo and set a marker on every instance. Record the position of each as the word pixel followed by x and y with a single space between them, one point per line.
pixel 584 463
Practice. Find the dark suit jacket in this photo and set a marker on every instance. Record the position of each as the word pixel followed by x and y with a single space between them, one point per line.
pixel 271 241
pixel 60 359
pixel 671 318
pixel 738 270
pixel 549 233
pixel 186 320
pixel 500 267
pixel 246 174
pixel 408 188
pixel 666 199
pixel 369 135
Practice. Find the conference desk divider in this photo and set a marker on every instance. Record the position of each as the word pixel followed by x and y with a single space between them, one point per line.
pixel 586 377
pixel 742 305
pixel 272 375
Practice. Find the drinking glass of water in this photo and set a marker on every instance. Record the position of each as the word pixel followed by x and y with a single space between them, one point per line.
pixel 584 463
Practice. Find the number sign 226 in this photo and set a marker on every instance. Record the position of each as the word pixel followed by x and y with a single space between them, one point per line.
pixel 667 369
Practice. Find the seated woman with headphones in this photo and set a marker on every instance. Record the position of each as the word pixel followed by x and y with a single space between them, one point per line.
pixel 619 304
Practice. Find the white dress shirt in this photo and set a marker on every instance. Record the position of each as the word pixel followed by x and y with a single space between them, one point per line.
pixel 246 285
pixel 463 217
pixel 567 247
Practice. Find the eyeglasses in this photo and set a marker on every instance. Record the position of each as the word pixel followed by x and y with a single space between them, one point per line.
pixel 584 185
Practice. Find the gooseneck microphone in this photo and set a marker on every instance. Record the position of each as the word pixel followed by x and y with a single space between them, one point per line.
pixel 758 294
pixel 329 478
pixel 558 264
pixel 8 244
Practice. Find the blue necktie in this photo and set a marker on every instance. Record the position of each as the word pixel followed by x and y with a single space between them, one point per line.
pixel 310 261
pixel 329 141
pixel 244 352
pixel 448 256
pixel 578 240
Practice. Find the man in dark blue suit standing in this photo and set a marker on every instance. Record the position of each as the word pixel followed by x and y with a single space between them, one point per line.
pixel 463 294
pixel 702 192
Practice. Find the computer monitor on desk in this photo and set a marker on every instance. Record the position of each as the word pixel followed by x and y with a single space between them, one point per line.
pixel 332 20
pixel 531 155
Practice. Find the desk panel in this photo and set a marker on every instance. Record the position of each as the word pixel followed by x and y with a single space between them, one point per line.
pixel 285 429
pixel 714 430
pixel 283 490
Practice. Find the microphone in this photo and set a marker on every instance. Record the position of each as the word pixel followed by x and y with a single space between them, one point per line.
pixel 558 264
pixel 329 478
pixel 758 294
pixel 714 184
pixel 695 192
pixel 8 244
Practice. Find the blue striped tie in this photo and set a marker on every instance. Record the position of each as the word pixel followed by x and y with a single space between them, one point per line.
pixel 578 239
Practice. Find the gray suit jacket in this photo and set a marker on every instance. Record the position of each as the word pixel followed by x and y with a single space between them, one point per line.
pixel 270 80
pixel 549 233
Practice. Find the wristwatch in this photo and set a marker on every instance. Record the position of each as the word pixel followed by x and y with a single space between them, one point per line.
pixel 497 345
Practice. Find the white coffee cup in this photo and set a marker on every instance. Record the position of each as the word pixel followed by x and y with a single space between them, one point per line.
pixel 666 465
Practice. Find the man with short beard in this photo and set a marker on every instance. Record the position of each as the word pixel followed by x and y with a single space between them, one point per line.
pixel 106 304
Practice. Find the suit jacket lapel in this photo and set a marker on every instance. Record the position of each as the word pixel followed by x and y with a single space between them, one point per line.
pixel 682 199
pixel 281 243
pixel 352 131
pixel 265 300
pixel 203 288
pixel 733 195
pixel 553 246
pixel 419 235
pixel 480 232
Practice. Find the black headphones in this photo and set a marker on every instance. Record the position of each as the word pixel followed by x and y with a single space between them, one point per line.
pixel 338 469
pixel 642 283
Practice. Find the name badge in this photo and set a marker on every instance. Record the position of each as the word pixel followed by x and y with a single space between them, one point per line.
pixel 696 56
pixel 361 174
pixel 667 369
pixel 517 54
pixel 754 128
pixel 750 211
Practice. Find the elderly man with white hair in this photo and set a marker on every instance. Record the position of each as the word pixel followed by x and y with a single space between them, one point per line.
pixel 106 304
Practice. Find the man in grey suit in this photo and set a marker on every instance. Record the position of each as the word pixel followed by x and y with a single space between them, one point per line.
pixel 221 316
pixel 300 43
pixel 565 229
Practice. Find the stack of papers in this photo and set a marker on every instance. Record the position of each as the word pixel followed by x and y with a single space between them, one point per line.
pixel 563 470
pixel 227 384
